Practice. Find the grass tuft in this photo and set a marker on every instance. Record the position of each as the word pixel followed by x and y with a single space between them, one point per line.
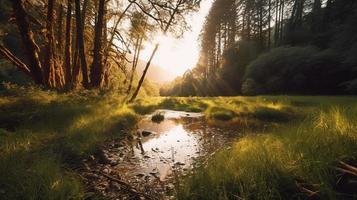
pixel 158 117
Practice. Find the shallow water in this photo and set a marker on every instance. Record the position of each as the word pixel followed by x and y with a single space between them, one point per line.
pixel 176 145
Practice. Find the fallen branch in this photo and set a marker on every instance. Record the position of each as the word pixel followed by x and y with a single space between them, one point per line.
pixel 348 168
pixel 128 187
pixel 309 193
pixel 14 60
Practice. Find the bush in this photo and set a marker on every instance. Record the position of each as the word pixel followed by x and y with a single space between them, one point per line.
pixel 297 70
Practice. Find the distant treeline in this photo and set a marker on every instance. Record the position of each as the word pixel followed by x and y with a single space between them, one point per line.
pixel 275 47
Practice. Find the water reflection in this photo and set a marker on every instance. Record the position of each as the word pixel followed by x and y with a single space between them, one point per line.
pixel 174 145
pixel 170 144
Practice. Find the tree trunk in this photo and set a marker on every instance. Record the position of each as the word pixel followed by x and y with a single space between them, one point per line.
pixel 277 23
pixel 282 22
pixel 76 60
pixel 261 25
pixel 97 65
pixel 67 54
pixel 153 54
pixel 30 47
pixel 59 31
pixel 327 14
pixel 134 64
pixel 316 16
pixel 80 41
pixel 269 23
pixel 50 62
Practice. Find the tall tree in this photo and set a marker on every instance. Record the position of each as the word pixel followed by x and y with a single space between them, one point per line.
pixel 97 67
pixel 31 49
pixel 80 41
pixel 50 61
pixel 68 45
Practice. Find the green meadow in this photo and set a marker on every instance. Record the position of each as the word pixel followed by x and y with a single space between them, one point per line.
pixel 292 146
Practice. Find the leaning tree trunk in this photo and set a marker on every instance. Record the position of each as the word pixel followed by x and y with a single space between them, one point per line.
pixel 135 62
pixel 97 65
pixel 30 47
pixel 153 54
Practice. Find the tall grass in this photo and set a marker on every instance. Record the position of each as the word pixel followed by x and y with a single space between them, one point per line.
pixel 44 134
pixel 282 163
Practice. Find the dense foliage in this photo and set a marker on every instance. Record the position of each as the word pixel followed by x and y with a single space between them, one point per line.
pixel 275 47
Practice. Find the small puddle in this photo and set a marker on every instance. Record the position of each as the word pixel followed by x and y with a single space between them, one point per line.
pixel 175 143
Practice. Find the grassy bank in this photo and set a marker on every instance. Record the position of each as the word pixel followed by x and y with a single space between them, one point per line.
pixel 44 136
pixel 296 160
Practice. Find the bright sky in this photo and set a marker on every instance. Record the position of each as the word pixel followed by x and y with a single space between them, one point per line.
pixel 178 55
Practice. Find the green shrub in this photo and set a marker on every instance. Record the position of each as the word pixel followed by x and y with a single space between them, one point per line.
pixel 297 70
pixel 220 113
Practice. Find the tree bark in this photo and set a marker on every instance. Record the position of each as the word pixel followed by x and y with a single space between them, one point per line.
pixel 30 47
pixel 97 65
pixel 80 41
pixel 67 53
pixel 76 61
pixel 269 23
pixel 49 66
pixel 59 31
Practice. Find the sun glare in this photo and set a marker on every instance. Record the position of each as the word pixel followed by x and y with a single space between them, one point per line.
pixel 177 55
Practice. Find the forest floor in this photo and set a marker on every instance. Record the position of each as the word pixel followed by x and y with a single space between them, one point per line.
pixel 290 147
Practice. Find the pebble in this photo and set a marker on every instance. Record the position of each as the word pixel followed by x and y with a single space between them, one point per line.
pixel 140 175
pixel 146 133
pixel 179 163
pixel 170 186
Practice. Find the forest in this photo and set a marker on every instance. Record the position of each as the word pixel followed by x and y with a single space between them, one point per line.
pixel 274 47
pixel 98 101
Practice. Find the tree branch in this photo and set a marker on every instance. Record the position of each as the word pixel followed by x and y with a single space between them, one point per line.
pixel 14 60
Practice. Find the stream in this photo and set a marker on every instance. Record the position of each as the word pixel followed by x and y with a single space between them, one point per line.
pixel 170 149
